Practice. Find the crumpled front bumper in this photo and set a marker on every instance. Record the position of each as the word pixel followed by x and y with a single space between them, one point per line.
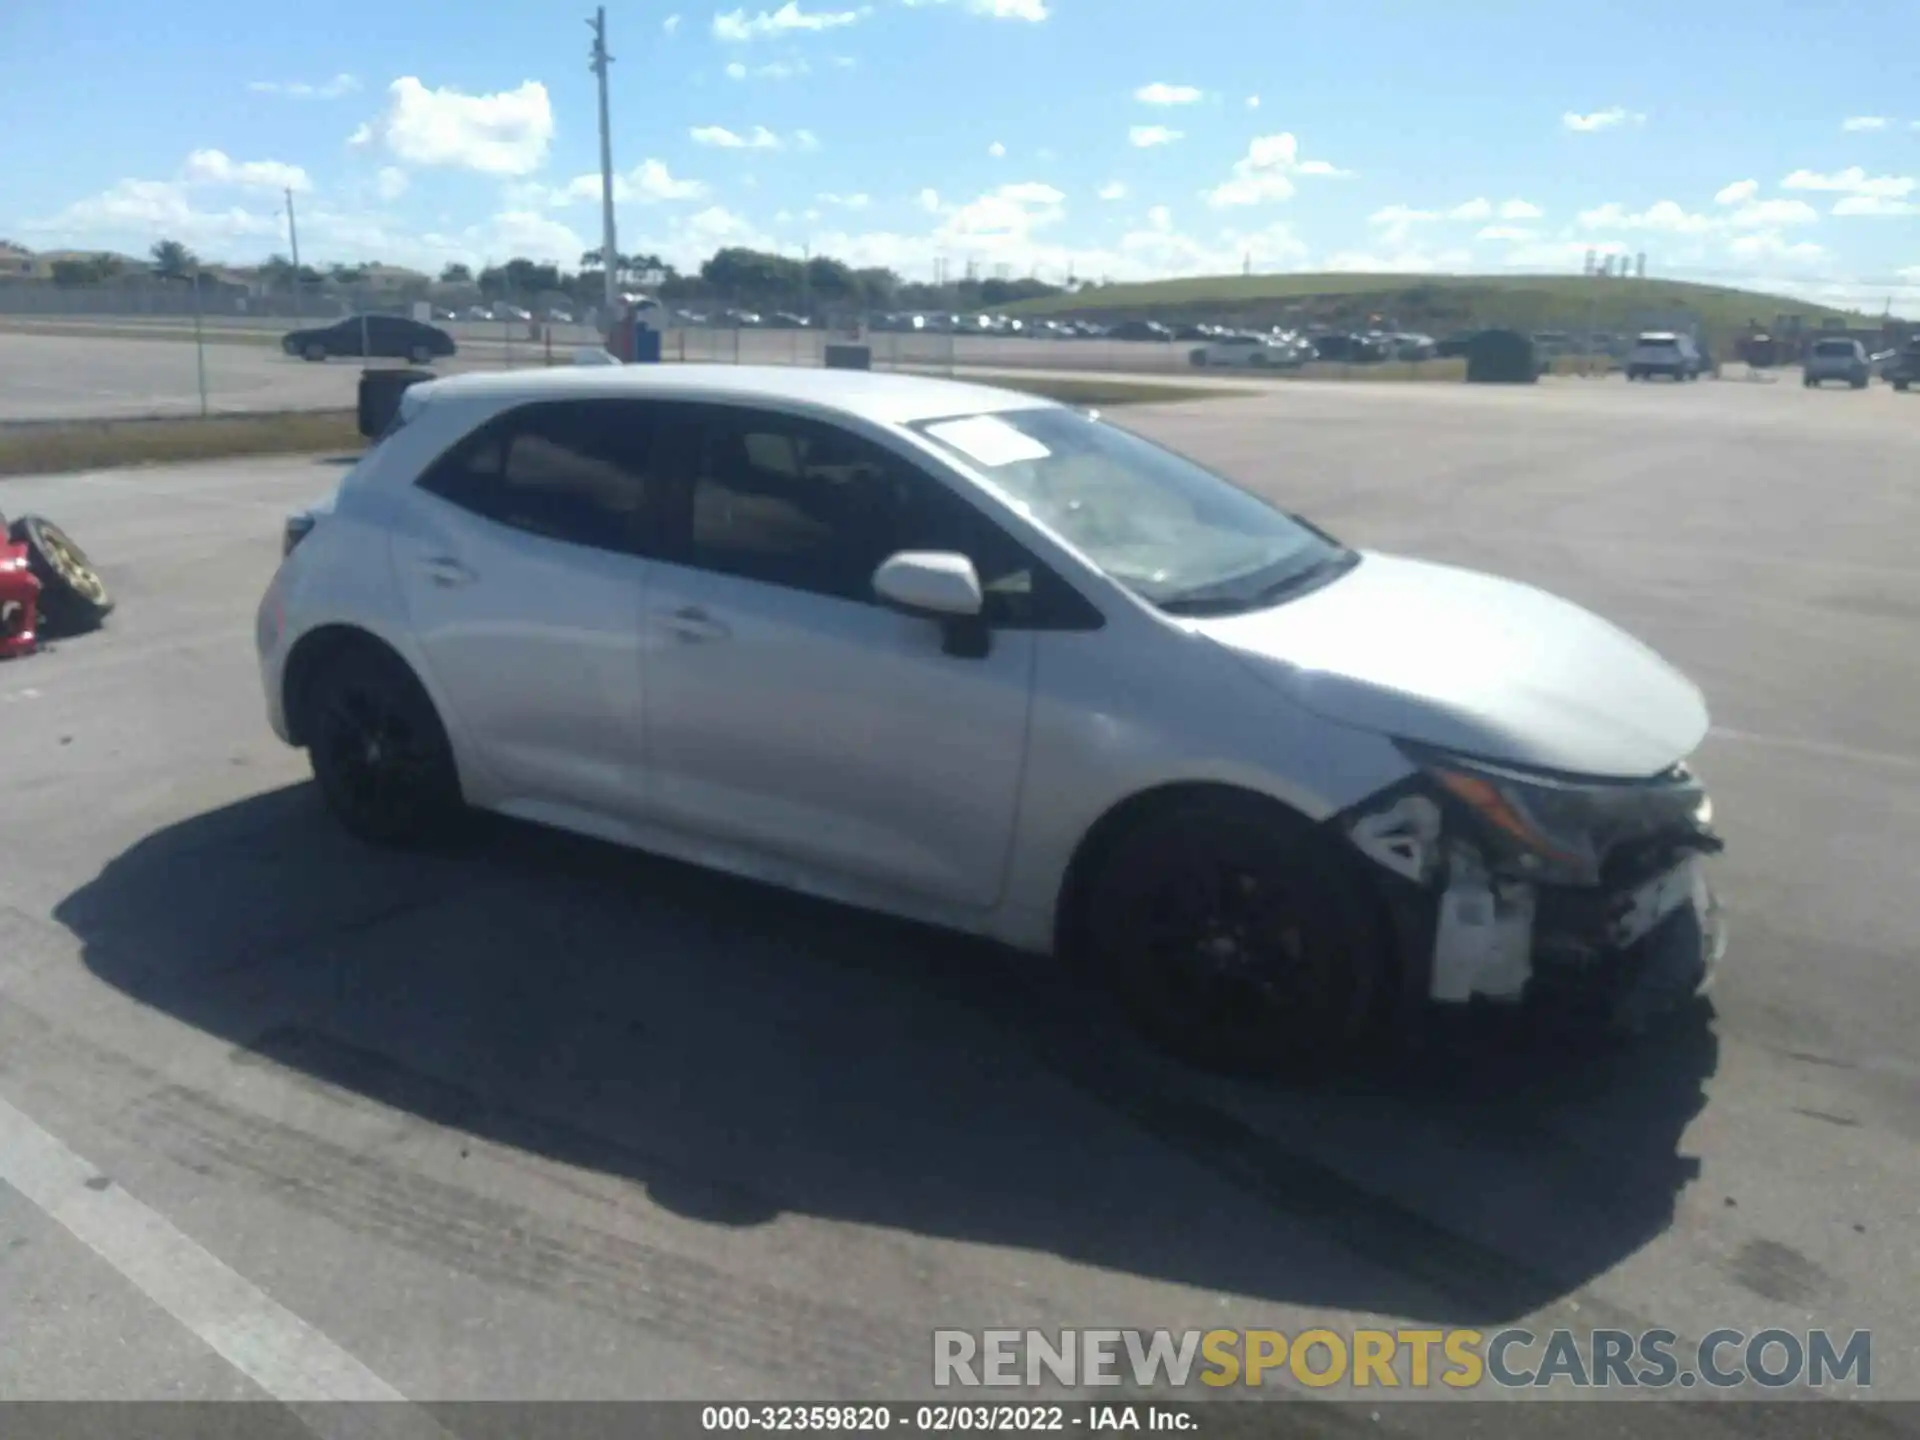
pixel 1617 955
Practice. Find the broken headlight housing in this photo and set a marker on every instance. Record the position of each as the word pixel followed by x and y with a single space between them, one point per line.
pixel 1569 830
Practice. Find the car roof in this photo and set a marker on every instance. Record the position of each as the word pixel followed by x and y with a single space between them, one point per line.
pixel 1658 335
pixel 888 399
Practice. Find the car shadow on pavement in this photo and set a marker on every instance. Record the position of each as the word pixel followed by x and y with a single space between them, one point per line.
pixel 742 1053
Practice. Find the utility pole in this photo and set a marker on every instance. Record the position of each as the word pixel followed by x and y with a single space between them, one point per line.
pixel 609 245
pixel 293 240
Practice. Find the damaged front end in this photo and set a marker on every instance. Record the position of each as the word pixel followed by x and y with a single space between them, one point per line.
pixel 1585 896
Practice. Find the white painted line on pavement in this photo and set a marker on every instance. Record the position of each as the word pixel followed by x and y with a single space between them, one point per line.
pixel 267 1343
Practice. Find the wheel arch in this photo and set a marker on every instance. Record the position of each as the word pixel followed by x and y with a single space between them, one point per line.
pixel 1404 925
pixel 310 654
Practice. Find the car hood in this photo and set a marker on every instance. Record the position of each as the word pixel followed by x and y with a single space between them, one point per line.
pixel 1474 664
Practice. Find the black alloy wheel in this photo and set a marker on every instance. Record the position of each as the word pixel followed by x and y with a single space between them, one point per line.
pixel 1236 939
pixel 379 752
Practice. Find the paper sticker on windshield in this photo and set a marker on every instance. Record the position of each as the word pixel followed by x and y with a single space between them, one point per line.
pixel 988 440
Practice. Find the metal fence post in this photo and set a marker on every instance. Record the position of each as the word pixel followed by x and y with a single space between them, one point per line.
pixel 199 346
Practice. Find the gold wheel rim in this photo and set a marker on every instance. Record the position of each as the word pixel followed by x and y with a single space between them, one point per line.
pixel 72 565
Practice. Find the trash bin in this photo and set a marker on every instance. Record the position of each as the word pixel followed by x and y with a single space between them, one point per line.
pixel 1502 357
pixel 380 392
pixel 848 357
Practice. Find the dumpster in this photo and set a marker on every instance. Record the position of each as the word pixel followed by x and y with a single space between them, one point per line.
pixel 849 357
pixel 380 392
pixel 1502 357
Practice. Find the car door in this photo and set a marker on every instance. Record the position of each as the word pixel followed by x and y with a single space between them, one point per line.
pixel 523 562
pixel 788 711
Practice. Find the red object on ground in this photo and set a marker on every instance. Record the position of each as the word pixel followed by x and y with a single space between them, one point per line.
pixel 19 602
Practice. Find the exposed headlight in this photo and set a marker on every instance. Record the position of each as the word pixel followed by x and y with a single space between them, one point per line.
pixel 1561 830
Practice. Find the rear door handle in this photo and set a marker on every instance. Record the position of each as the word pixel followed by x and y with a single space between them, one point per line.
pixel 695 626
pixel 445 571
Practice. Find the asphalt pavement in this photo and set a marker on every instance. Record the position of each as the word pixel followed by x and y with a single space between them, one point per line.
pixel 543 1119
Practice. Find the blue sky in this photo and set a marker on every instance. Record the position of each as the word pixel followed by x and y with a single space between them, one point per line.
pixel 1742 142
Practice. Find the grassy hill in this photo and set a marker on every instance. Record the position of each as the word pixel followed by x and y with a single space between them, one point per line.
pixel 1437 303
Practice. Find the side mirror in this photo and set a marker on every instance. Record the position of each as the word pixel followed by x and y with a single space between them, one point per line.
pixel 942 586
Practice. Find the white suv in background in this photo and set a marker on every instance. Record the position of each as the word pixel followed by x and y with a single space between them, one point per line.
pixel 1664 352
pixel 1255 350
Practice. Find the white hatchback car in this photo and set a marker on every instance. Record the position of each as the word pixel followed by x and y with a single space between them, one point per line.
pixel 979 659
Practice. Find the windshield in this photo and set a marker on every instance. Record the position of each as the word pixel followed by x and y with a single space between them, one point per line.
pixel 1174 533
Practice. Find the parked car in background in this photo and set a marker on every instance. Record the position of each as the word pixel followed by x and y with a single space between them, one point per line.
pixel 1140 330
pixel 1413 347
pixel 477 312
pixel 392 337
pixel 1664 352
pixel 1253 351
pixel 1837 359
pixel 510 313
pixel 1903 370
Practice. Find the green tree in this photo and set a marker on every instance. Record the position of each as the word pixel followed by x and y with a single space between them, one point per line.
pixel 173 260
pixel 456 274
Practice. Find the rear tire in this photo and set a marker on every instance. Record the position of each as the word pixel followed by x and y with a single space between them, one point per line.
pixel 73 598
pixel 420 355
pixel 379 752
pixel 1235 939
pixel 1900 384
pixel 315 353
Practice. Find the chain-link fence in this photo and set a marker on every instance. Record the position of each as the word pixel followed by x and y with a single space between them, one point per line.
pixel 204 345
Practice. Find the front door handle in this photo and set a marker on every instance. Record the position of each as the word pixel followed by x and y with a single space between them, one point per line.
pixel 447 572
pixel 695 626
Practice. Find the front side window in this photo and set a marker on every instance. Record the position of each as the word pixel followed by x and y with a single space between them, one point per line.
pixel 572 471
pixel 810 506
pixel 1173 532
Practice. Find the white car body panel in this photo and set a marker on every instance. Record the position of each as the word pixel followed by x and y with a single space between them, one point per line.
pixel 834 748
pixel 1476 664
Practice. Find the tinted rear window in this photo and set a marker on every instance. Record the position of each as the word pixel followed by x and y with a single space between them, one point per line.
pixel 1834 347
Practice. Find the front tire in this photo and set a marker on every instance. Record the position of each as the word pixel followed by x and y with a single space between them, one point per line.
pixel 1235 939
pixel 379 752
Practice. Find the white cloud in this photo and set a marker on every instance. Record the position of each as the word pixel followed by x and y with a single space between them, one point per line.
pixel 774 70
pixel 1772 214
pixel 930 201
pixel 1668 216
pixel 1113 190
pixel 721 138
pixel 1771 245
pixel 671 24
pixel 1265 172
pixel 214 167
pixel 1738 193
pixel 536 236
pixel 996 149
pixel 1601 119
pixel 1144 136
pixel 1253 102
pixel 1398 262
pixel 805 140
pixel 648 183
pixel 1851 181
pixel 143 210
pixel 1480 209
pixel 391 182
pixel 846 202
pixel 1160 93
pixel 303 90
pixel 1520 210
pixel 505 133
pixel 1873 205
pixel 1865 122
pixel 1504 232
pixel 844 62
pixel 736 25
